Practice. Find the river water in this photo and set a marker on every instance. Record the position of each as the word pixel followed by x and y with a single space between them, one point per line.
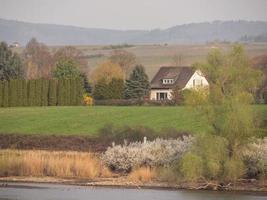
pixel 25 191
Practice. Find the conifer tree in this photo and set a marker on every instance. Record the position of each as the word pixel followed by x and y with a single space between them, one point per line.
pixel 1 93
pixel 19 93
pixel 24 99
pixel 101 90
pixel 73 92
pixel 31 93
pixel 38 92
pixel 79 91
pixel 60 92
pixel 137 87
pixel 52 93
pixel 12 91
pixel 67 92
pixel 116 89
pixel 5 94
pixel 44 96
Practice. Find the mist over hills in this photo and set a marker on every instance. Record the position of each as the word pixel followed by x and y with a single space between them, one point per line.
pixel 22 32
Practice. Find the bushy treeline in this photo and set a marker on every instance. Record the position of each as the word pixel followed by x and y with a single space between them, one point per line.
pixel 41 92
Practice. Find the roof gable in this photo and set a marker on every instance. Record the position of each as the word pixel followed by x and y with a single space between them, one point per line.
pixel 181 76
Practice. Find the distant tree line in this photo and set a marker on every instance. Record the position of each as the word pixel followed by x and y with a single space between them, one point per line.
pixel 41 92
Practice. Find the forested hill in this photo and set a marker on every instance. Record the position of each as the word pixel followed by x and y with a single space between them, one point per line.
pixel 11 31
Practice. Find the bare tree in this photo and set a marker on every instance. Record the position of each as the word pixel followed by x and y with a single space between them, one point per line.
pixel 38 60
pixel 126 60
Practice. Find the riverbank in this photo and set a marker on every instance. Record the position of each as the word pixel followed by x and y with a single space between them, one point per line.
pixel 122 182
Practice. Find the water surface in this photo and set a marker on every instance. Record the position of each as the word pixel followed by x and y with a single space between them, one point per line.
pixel 25 191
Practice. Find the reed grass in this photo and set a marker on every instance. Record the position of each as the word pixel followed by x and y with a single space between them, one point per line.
pixel 142 174
pixel 48 163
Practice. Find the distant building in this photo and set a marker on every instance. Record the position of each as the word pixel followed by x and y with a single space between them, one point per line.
pixel 168 78
pixel 14 45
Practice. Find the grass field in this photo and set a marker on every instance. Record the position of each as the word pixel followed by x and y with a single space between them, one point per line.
pixel 155 56
pixel 88 120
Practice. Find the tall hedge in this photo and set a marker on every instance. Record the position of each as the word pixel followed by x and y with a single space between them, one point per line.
pixel 41 92
pixel 38 92
pixel 31 93
pixel 12 92
pixel 1 94
pixel 52 92
pixel 60 93
pixel 24 97
pixel 73 92
pixel 19 93
pixel 5 94
pixel 79 91
pixel 44 92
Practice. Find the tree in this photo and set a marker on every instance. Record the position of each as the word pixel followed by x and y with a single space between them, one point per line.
pixel 10 64
pixel 86 84
pixel 112 90
pixel 66 69
pixel 233 83
pixel 124 59
pixel 101 90
pixel 138 84
pixel 38 60
pixel 116 89
pixel 72 53
pixel 107 71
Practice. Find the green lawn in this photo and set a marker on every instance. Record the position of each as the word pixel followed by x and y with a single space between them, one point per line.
pixel 88 120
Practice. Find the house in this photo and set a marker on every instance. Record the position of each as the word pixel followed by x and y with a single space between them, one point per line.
pixel 168 78
pixel 14 45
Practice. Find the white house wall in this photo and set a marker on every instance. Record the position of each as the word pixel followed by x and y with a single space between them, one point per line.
pixel 153 93
pixel 197 76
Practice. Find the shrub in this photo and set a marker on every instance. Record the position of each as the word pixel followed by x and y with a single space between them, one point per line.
pixel 87 100
pixel 213 151
pixel 234 168
pixel 169 173
pixel 191 167
pixel 154 153
pixel 255 159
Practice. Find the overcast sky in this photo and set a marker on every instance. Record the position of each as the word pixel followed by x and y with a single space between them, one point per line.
pixel 131 14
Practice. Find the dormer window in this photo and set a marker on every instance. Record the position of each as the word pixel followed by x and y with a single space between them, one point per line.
pixel 167 81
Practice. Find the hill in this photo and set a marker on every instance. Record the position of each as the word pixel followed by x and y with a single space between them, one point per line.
pixel 21 32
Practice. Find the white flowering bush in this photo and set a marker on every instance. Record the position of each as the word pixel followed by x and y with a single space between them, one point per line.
pixel 255 157
pixel 158 152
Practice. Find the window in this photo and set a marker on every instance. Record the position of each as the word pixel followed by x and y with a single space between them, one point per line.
pixel 162 96
pixel 167 81
pixel 194 82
